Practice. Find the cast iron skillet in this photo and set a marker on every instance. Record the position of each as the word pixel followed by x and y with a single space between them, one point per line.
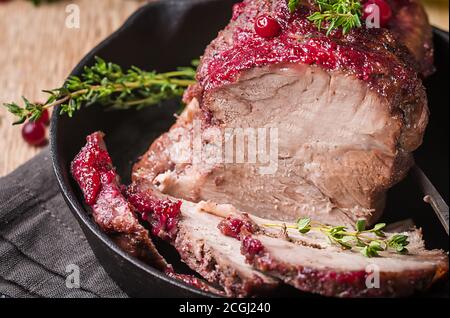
pixel 171 33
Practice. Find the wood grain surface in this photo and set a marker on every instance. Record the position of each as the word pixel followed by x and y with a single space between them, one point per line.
pixel 38 51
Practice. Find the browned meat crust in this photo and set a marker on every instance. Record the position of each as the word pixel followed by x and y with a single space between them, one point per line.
pixel 110 210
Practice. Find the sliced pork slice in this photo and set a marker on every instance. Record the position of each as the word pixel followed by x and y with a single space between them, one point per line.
pixel 204 239
pixel 306 261
pixel 346 274
pixel 92 168
pixel 200 243
pixel 310 263
pixel 339 179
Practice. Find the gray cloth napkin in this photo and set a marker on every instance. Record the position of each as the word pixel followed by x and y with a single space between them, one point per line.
pixel 41 244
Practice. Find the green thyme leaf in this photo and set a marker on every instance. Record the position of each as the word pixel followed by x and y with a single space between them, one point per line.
pixel 304 225
pixel 195 63
pixel 338 232
pixel 360 243
pixel 379 227
pixel 346 242
pixel 361 225
pixel 333 14
pixel 399 243
pixel 376 246
pixel 369 252
pixel 378 230
pixel 370 242
pixel 39 2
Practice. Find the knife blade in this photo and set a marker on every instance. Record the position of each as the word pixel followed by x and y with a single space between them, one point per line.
pixel 432 196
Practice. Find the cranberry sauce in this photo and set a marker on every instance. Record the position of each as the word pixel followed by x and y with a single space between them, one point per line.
pixel 231 227
pixel 367 53
pixel 236 227
pixel 251 246
pixel 349 278
pixel 162 215
pixel 91 165
pixel 242 228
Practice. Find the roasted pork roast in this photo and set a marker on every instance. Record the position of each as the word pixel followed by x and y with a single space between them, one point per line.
pixel 346 112
pixel 301 124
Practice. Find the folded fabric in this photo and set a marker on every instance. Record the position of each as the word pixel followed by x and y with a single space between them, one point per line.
pixel 43 252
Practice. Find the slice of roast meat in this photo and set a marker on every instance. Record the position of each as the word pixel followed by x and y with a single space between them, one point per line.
pixel 310 263
pixel 347 111
pixel 92 168
pixel 195 236
pixel 206 231
pixel 346 274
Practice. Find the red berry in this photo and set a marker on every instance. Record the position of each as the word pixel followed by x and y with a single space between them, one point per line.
pixel 231 227
pixel 34 133
pixel 384 9
pixel 252 246
pixel 45 117
pixel 267 27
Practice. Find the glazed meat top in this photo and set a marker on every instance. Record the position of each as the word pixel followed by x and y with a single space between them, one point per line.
pixel 374 55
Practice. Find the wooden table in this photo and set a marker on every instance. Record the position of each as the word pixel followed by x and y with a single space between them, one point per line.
pixel 38 51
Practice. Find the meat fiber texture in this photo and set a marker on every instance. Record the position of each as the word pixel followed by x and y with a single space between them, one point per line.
pixel 308 262
pixel 211 244
pixel 347 111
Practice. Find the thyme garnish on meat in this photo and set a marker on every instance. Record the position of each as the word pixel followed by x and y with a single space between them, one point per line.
pixel 369 241
pixel 108 85
pixel 334 14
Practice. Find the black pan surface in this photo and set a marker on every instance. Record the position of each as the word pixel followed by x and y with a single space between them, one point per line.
pixel 167 34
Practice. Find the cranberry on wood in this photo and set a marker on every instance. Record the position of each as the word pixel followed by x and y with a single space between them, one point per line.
pixel 34 133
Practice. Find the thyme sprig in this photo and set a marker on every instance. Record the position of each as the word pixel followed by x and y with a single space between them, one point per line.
pixel 369 241
pixel 108 85
pixel 334 14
